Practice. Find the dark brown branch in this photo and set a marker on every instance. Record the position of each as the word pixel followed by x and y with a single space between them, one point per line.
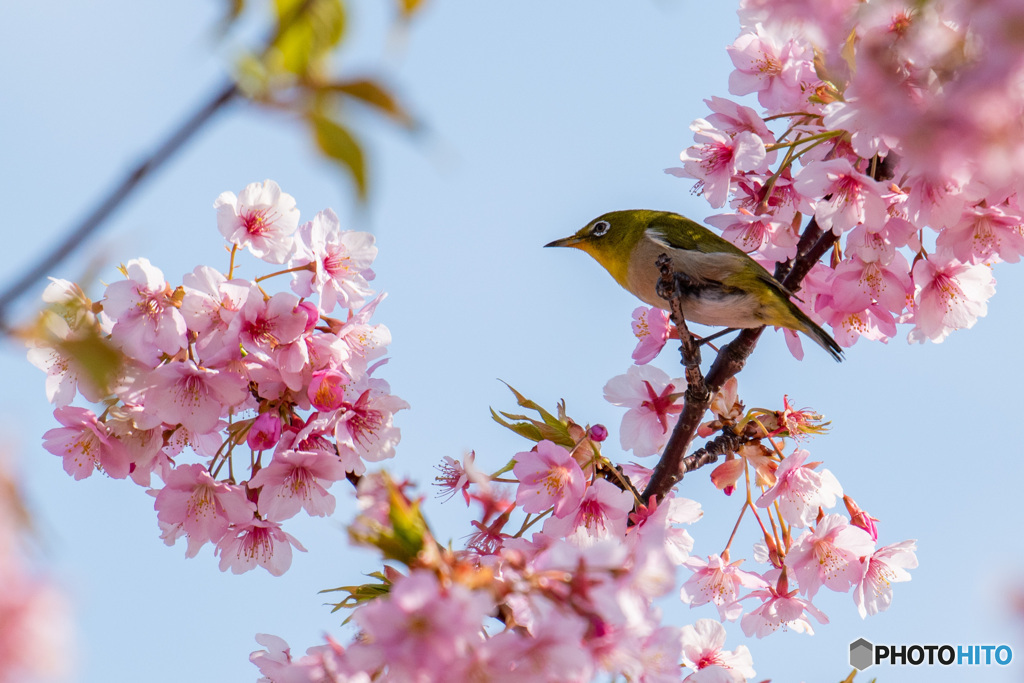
pixel 730 360
pixel 727 442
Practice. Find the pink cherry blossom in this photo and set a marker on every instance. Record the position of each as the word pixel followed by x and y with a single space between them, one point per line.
pixel 366 427
pixel 261 219
pixel 857 284
pixel 653 407
pixel 296 480
pixel 873 322
pixel 855 198
pixel 342 260
pixel 268 325
pixel 86 444
pixel 703 651
pixel 832 554
pixel 458 476
pixel 985 235
pixel 734 118
pixel 316 437
pixel 192 396
pixel 320 663
pixel 948 295
pixel 773 239
pixel 601 514
pixel 935 200
pixel 420 629
pixel 663 519
pixel 209 305
pixel 801 491
pixel 888 565
pixel 718 157
pixel 255 543
pixel 780 610
pixel 780 72
pixel 652 328
pixel 144 447
pixel 147 323
pixel 718 582
pixel 193 503
pixel 548 477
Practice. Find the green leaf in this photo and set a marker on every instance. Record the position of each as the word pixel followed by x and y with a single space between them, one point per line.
pixel 549 427
pixel 307 31
pixel 524 429
pixel 404 537
pixel 358 595
pixel 338 144
pixel 95 356
pixel 373 94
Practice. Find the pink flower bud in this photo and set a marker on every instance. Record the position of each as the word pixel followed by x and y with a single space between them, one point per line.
pixel 327 389
pixel 861 519
pixel 265 432
pixel 312 312
pixel 598 433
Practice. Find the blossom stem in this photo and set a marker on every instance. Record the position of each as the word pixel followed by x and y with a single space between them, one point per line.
pixel 296 269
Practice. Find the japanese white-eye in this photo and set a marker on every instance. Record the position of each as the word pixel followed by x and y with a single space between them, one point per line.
pixel 728 287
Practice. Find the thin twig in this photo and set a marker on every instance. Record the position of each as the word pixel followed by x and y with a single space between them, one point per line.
pixel 113 200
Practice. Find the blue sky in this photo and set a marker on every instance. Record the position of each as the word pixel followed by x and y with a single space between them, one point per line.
pixel 537 117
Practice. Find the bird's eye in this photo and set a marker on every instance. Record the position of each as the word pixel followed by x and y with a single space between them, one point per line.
pixel 600 228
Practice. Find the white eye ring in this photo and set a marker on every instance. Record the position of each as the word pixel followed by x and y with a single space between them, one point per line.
pixel 600 228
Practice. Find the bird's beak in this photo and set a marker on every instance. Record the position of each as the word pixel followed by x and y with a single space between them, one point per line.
pixel 570 241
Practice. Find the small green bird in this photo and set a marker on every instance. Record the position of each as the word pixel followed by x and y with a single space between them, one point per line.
pixel 730 288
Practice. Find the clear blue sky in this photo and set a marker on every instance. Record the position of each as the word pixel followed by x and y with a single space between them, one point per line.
pixel 539 117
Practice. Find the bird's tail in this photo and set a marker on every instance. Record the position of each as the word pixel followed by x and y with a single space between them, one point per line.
pixel 820 336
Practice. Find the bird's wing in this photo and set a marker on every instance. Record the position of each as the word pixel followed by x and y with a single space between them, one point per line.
pixel 724 259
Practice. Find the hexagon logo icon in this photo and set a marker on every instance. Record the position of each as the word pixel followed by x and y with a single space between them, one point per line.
pixel 861 654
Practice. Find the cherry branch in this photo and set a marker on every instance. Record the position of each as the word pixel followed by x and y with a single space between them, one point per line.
pixel 730 361
pixel 114 199
pixel 117 195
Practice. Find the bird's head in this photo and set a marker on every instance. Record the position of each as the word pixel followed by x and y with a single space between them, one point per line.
pixel 610 239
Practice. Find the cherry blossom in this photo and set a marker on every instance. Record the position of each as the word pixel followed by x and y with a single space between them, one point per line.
pixel 195 504
pixel 800 490
pixel 297 480
pixel 702 651
pixel 256 543
pixel 341 261
pixel 718 582
pixel 85 444
pixel 651 399
pixel 548 477
pixel 261 219
pixel 652 327
pixel 831 554
pixel 948 295
pixel 146 322
pixel 886 566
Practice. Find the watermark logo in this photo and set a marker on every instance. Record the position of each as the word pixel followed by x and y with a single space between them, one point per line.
pixel 864 654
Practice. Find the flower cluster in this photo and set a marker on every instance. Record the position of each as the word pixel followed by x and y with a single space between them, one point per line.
pixel 188 377
pixel 898 128
pixel 558 580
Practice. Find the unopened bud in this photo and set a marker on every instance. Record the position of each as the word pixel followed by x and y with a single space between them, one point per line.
pixel 265 432
pixel 597 433
pixel 861 519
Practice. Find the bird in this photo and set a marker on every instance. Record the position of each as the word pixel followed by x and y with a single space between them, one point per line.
pixel 726 287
